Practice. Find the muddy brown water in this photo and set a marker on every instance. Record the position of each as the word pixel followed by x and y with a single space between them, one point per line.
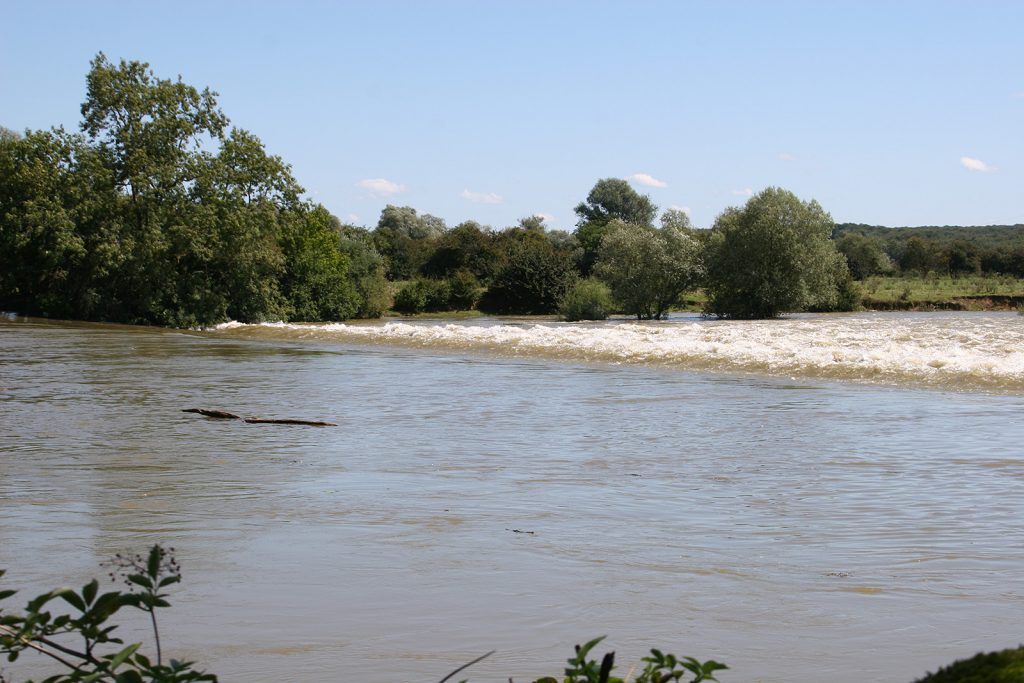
pixel 799 528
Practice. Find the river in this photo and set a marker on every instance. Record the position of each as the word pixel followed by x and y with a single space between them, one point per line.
pixel 823 498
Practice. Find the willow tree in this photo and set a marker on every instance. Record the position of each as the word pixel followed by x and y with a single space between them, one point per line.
pixel 773 256
pixel 648 268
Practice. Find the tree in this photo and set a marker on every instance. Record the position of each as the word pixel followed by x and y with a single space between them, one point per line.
pixel 612 198
pixel 467 246
pixel 647 268
pixel 156 215
pixel 316 281
pixel 676 218
pixel 919 255
pixel 865 255
pixel 534 277
pixel 962 257
pixel 406 240
pixel 772 256
pixel 609 199
pixel 366 270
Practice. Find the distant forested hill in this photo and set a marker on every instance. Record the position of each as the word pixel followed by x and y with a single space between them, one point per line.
pixel 982 237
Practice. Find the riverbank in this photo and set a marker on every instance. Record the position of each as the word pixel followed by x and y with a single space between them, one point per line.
pixel 934 293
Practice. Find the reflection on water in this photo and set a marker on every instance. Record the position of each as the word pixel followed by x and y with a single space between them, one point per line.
pixel 736 517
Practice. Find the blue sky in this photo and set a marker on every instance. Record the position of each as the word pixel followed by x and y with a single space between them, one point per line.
pixel 893 113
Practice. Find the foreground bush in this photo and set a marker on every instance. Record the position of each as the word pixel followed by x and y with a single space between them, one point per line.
pixel 1006 666
pixel 84 642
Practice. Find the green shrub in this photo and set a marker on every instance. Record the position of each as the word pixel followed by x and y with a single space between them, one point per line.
pixel 589 299
pixel 1006 666
pixel 464 290
pixel 424 295
pixel 535 276
pixel 100 657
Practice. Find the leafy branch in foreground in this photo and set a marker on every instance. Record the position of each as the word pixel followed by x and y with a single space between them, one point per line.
pixel 85 644
pixel 658 668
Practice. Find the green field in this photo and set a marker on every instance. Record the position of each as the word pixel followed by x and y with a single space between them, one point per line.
pixel 943 292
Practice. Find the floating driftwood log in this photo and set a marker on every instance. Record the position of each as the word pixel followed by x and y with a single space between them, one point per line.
pixel 224 415
pixel 308 423
pixel 219 414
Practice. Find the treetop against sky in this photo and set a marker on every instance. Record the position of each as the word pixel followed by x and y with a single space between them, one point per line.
pixel 893 113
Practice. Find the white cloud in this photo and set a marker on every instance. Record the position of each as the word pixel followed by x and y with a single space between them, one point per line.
pixel 745 192
pixel 1019 94
pixel 352 218
pixel 648 180
pixel 482 197
pixel 381 186
pixel 684 209
pixel 787 157
pixel 976 165
pixel 546 217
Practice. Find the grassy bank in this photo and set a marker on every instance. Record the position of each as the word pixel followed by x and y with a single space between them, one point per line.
pixel 971 293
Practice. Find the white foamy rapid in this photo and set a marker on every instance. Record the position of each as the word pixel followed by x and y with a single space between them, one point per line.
pixel 963 351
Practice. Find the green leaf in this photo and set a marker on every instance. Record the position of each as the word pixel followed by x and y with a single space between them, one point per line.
pixel 6 593
pixel 582 651
pixel 118 659
pixel 168 580
pixel 140 580
pixel 36 603
pixel 153 565
pixel 129 676
pixel 73 599
pixel 89 591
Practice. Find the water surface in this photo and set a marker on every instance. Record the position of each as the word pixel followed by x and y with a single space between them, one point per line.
pixel 798 528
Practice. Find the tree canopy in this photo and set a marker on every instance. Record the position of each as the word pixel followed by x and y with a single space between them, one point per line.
pixel 161 213
pixel 648 268
pixel 610 199
pixel 772 256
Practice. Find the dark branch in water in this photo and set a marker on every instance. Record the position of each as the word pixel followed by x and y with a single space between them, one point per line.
pixel 219 414
pixel 467 665
pixel 223 415
pixel 308 423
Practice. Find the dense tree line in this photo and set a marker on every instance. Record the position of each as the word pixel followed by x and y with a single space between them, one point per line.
pixel 946 250
pixel 158 211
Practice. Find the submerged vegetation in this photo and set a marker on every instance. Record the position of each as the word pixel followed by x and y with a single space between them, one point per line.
pixel 159 212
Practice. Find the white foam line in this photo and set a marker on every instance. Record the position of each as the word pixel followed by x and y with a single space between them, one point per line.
pixel 985 349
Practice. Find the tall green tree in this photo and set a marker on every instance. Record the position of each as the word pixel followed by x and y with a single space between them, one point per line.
pixel 610 199
pixel 157 213
pixel 406 240
pixel 648 269
pixel 150 132
pixel 467 246
pixel 316 281
pixel 534 277
pixel 366 271
pixel 772 256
